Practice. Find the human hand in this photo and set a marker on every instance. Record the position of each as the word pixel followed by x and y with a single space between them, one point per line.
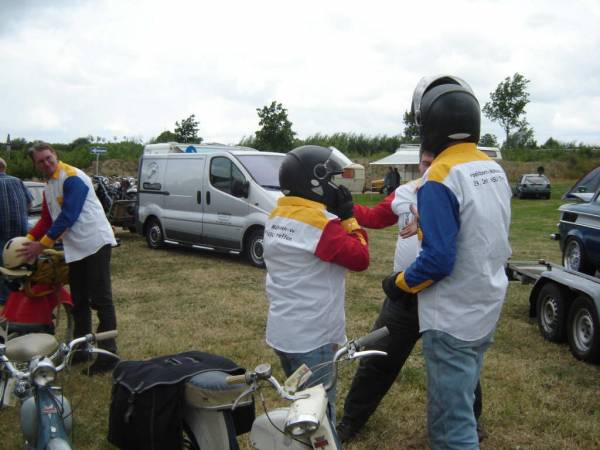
pixel 410 229
pixel 343 205
pixel 30 250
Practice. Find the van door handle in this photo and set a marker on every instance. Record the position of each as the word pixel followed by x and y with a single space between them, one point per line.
pixel 208 197
pixel 199 197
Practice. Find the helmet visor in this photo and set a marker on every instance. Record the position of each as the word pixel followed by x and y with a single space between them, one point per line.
pixel 334 165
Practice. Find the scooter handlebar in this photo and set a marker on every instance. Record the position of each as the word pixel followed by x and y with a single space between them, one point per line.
pixel 372 337
pixel 236 379
pixel 104 335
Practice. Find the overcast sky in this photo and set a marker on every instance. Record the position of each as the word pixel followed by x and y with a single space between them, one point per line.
pixel 132 68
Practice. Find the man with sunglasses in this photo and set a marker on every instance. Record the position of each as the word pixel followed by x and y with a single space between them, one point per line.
pixel 311 239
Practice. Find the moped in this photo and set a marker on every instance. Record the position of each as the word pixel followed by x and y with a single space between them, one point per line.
pixel 29 365
pixel 212 397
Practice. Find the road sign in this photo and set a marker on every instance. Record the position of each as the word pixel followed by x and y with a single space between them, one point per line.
pixel 98 150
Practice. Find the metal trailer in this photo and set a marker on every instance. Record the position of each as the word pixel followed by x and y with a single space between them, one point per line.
pixel 565 304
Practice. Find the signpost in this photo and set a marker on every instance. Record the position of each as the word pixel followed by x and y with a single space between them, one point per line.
pixel 98 151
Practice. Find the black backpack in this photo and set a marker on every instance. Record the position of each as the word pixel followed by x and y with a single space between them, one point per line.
pixel 146 408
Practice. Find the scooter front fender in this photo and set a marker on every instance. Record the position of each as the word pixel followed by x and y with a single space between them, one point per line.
pixel 268 434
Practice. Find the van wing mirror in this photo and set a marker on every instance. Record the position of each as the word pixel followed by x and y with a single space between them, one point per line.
pixel 240 188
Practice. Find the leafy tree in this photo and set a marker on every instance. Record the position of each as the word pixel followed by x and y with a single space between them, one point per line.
pixel 507 105
pixel 187 131
pixel 165 136
pixel 276 133
pixel 523 138
pixel 488 140
pixel 552 143
pixel 411 130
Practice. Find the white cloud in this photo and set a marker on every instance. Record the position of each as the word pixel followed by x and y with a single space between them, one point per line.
pixel 119 67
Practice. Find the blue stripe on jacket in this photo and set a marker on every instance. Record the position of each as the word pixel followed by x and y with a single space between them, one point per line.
pixel 75 192
pixel 439 219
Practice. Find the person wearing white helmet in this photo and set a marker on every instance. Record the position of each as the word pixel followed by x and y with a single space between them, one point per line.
pixel 464 215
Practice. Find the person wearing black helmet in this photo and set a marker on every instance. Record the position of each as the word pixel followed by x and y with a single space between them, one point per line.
pixel 311 239
pixel 464 215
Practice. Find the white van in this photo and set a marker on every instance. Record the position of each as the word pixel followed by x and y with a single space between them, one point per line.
pixel 211 196
pixel 492 152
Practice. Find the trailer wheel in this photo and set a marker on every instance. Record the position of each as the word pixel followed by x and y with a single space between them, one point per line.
pixel 154 234
pixel 254 248
pixel 551 312
pixel 584 330
pixel 574 257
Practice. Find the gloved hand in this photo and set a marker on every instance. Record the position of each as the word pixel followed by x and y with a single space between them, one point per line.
pixel 342 204
pixel 393 292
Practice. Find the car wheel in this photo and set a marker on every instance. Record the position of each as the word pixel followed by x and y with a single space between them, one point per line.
pixel 154 234
pixel 254 248
pixel 574 257
pixel 550 308
pixel 584 331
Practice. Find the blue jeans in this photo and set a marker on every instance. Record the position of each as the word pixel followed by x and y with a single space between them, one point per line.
pixel 453 368
pixel 319 362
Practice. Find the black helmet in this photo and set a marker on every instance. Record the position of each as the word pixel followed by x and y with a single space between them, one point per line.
pixel 307 172
pixel 446 111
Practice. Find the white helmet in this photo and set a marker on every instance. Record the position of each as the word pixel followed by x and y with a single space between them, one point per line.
pixel 16 265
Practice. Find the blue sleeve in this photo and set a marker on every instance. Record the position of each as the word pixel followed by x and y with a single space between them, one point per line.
pixel 75 192
pixel 440 221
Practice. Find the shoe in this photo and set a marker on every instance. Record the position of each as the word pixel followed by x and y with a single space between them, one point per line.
pixel 481 433
pixel 345 432
pixel 101 365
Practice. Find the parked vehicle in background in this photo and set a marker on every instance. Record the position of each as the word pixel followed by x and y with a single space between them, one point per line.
pixel 533 185
pixel 492 152
pixel 36 189
pixel 118 197
pixel 579 235
pixel 565 304
pixel 353 176
pixel 207 196
pixel 585 187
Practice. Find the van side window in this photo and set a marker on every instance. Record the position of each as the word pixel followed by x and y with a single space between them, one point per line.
pixel 222 174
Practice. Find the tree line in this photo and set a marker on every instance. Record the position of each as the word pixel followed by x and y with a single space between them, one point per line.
pixel 506 107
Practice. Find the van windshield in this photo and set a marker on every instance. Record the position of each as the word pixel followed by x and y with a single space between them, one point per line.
pixel 263 168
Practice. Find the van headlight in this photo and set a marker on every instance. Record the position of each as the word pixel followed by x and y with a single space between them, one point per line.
pixel 302 425
pixel 43 372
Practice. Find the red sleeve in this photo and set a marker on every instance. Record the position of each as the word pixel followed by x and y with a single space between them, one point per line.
pixel 379 216
pixel 346 248
pixel 43 224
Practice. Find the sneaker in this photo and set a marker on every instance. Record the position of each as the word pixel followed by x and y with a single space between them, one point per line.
pixel 345 432
pixel 101 365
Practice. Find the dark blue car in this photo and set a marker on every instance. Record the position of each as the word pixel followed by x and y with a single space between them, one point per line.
pixel 579 234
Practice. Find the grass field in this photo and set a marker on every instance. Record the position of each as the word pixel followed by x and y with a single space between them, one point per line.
pixel 536 395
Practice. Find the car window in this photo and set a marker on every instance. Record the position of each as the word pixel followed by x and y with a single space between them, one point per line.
pixel 223 172
pixel 37 193
pixel 536 179
pixel 263 168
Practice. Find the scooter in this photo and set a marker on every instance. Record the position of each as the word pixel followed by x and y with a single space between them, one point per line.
pixel 212 398
pixel 28 368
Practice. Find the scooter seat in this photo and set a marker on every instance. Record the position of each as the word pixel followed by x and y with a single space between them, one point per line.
pixel 209 390
pixel 23 348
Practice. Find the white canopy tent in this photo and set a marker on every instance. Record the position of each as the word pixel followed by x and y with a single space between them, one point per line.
pixel 406 159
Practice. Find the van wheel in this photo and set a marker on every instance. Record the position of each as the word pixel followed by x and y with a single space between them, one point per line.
pixel 154 234
pixel 551 312
pixel 254 248
pixel 584 330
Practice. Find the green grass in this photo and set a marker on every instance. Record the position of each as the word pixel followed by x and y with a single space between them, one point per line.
pixel 536 395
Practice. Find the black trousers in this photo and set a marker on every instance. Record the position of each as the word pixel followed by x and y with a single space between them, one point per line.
pixel 89 279
pixel 375 375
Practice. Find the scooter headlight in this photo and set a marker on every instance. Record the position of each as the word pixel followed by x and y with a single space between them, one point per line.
pixel 302 425
pixel 43 372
